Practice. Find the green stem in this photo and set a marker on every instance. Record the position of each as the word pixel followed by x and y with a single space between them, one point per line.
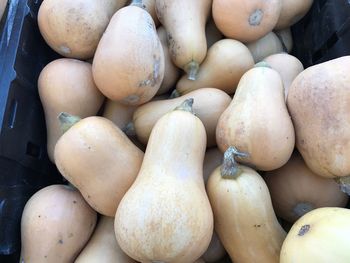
pixel 262 64
pixel 129 129
pixel 186 105
pixel 174 94
pixel 137 3
pixel 192 69
pixel 229 168
pixel 344 183
pixel 67 121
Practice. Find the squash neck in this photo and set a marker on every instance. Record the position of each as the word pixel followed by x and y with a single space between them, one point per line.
pixel 67 121
pixel 230 169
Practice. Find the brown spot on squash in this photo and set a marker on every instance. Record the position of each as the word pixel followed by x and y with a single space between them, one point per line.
pixel 303 230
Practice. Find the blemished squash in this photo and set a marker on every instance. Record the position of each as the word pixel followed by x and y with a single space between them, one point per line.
pixel 66 85
pixel 215 251
pixel 128 65
pixel 318 101
pixel 103 245
pixel 74 28
pixel 257 121
pixel 226 62
pixel 267 45
pixel 95 156
pixel 210 104
pixel 292 11
pixel 243 214
pixel 295 190
pixel 246 20
pixel 319 236
pixel 186 33
pixel 288 66
pixel 3 4
pixel 56 224
pixel 171 72
pixel 212 159
pixel 165 216
pixel 286 38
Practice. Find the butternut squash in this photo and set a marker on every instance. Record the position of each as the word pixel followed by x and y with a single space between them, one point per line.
pixel 150 7
pixel 56 224
pixel 319 236
pixel 210 104
pixel 98 158
pixel 246 20
pixel 215 251
pixel 165 216
pixel 185 22
pixel 288 66
pixel 212 33
pixel 212 159
pixel 129 62
pixel 244 218
pixel 257 121
pixel 267 45
pixel 66 85
pixel 292 11
pixel 295 190
pixel 103 245
pixel 286 38
pixel 171 72
pixel 318 101
pixel 226 62
pixel 3 4
pixel 74 28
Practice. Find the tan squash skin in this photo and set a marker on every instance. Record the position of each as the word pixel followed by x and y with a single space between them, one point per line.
pixel 185 22
pixel 257 121
pixel 74 28
pixel 320 236
pixel 286 38
pixel 56 224
pixel 212 33
pixel 215 251
pixel 209 105
pixel 129 62
pixel 288 66
pixel 171 72
pixel 295 190
pixel 212 159
pixel 66 85
pixel 244 218
pixel 165 216
pixel 319 102
pixel 246 20
pixel 226 62
pixel 267 45
pixel 3 4
pixel 292 11
pixel 99 159
pixel 103 245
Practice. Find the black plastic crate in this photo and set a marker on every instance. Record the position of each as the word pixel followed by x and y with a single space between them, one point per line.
pixel 24 163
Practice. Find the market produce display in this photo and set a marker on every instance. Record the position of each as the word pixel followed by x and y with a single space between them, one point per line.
pixel 186 132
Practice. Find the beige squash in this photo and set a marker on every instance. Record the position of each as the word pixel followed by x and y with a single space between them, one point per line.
pixel 267 45
pixel 66 85
pixel 246 20
pixel 244 218
pixel 292 11
pixel 103 246
pixel 212 33
pixel 215 251
pixel 319 103
pixel 3 4
pixel 98 158
pixel 129 62
pixel 165 216
pixel 56 224
pixel 74 28
pixel 185 22
pixel 209 105
pixel 226 62
pixel 171 72
pixel 319 236
pixel 288 66
pixel 295 190
pixel 212 159
pixel 257 121
pixel 286 38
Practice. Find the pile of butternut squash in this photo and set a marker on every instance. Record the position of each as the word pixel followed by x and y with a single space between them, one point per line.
pixel 186 131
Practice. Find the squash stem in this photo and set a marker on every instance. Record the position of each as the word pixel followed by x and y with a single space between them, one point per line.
pixel 138 3
pixel 262 64
pixel 174 94
pixel 192 70
pixel 229 168
pixel 67 121
pixel 186 105
pixel 129 129
pixel 344 183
